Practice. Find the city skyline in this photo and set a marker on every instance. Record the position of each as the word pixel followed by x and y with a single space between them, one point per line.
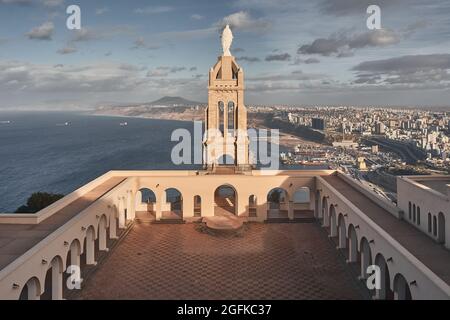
pixel 304 54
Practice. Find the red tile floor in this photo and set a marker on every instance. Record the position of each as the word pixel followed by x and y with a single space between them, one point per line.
pixel 263 261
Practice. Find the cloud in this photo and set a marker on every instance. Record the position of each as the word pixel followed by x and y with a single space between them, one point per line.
pixel 417 70
pixel 244 22
pixel 53 3
pixel 153 10
pixel 90 34
pixel 197 17
pixel 67 50
pixel 305 61
pixel 101 77
pixel 100 11
pixel 140 43
pixel 248 59
pixel 409 63
pixel 349 7
pixel 237 50
pixel 42 32
pixel 278 57
pixel 342 45
pixel 164 71
pixel 18 2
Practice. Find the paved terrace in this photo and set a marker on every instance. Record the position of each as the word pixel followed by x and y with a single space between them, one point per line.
pixel 431 254
pixel 265 261
pixel 16 239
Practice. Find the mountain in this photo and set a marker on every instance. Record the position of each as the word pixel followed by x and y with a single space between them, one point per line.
pixel 174 102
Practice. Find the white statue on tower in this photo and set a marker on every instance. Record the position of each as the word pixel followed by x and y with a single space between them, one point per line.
pixel 227 39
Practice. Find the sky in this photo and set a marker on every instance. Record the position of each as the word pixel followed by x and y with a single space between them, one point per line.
pixel 292 51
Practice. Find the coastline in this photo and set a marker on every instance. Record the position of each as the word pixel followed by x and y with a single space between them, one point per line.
pixel 287 140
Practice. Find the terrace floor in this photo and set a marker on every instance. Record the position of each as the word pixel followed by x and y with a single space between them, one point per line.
pixel 262 261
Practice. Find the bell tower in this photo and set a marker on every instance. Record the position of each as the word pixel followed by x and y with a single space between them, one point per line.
pixel 226 138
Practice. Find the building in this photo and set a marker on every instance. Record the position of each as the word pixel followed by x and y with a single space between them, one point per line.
pixel 318 124
pixel 226 140
pixel 37 250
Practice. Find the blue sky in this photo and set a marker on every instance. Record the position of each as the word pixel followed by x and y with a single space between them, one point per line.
pixel 293 52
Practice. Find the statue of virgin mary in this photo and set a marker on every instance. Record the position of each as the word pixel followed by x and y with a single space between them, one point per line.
pixel 227 39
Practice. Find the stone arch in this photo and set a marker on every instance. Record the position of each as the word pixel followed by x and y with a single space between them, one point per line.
pixel 225 200
pixel 53 285
pixel 317 206
pixel 401 288
pixel 113 223
pixel 342 232
pixel 409 210
pixel 145 202
pixel 231 111
pixel 333 222
pixel 441 228
pixel 252 206
pixel 325 212
pixel 430 225
pixel 197 206
pixel 352 244
pixel 122 213
pixel 226 158
pixel 31 290
pixel 102 233
pixel 221 118
pixel 301 200
pixel 384 293
pixel 89 246
pixel 73 258
pixel 435 226
pixel 277 203
pixel 365 256
pixel 174 204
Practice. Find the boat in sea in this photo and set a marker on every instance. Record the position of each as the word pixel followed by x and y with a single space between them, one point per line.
pixel 123 124
pixel 5 121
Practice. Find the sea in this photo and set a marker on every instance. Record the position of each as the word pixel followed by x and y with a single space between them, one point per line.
pixel 59 152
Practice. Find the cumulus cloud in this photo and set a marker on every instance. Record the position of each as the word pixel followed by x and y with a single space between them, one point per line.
pixel 248 59
pixel 67 50
pixel 420 70
pixel 46 78
pixel 244 22
pixel 278 57
pixel 42 32
pixel 342 45
pixel 346 7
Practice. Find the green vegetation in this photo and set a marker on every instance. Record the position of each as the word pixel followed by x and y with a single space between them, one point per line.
pixel 38 201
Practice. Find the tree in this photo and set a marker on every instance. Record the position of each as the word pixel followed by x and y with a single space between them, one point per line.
pixel 38 201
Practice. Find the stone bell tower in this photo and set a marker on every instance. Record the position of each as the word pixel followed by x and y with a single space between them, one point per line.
pixel 226 139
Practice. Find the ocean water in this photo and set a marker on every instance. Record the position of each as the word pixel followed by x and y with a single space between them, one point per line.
pixel 39 153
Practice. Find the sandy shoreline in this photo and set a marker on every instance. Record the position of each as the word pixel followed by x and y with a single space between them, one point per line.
pixel 287 141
